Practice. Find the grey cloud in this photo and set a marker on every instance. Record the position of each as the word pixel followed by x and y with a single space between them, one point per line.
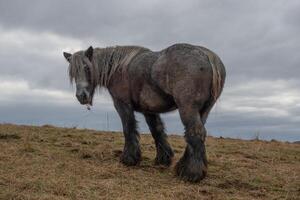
pixel 247 35
pixel 39 71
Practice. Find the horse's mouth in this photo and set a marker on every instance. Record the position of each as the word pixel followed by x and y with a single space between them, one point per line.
pixel 89 103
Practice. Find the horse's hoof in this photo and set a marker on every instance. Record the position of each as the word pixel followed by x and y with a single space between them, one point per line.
pixel 191 170
pixel 164 157
pixel 131 159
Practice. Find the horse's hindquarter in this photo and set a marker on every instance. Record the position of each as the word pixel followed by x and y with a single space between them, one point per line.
pixel 184 72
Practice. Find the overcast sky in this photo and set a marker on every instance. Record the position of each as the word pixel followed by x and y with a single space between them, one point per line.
pixel 258 42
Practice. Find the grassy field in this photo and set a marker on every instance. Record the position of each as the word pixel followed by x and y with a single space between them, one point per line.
pixel 58 163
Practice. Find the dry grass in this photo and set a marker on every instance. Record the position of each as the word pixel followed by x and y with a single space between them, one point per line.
pixel 57 163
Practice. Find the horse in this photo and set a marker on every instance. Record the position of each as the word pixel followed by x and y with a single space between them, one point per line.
pixel 186 77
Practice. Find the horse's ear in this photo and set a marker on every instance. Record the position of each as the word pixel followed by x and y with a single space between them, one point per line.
pixel 67 56
pixel 89 52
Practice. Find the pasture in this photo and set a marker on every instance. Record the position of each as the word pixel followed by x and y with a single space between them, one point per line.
pixel 59 163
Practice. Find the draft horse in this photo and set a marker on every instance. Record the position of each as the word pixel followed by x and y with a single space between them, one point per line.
pixel 185 77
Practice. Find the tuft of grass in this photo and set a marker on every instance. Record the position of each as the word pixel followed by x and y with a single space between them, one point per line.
pixel 27 144
pixel 4 136
pixel 59 163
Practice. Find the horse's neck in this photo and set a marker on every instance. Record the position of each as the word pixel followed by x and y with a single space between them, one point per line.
pixel 119 56
pixel 107 61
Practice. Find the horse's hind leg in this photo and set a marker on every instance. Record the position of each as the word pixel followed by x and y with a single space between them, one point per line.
pixel 164 153
pixel 193 164
pixel 131 154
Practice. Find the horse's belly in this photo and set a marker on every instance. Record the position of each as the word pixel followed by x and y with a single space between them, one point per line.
pixel 152 101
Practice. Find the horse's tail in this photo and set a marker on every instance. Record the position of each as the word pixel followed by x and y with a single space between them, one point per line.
pixel 218 77
pixel 218 73
pixel 218 80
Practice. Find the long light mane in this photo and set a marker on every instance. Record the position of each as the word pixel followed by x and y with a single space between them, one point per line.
pixel 105 62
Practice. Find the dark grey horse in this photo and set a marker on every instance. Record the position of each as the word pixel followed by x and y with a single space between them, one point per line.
pixel 183 76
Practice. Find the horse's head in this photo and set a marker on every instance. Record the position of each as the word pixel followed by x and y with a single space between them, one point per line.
pixel 80 71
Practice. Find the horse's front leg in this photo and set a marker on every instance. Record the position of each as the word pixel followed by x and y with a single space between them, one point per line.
pixel 164 151
pixel 131 154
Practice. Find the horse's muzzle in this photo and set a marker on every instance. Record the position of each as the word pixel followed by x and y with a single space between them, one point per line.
pixel 83 98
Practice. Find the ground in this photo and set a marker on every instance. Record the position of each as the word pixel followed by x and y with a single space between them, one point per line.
pixel 59 163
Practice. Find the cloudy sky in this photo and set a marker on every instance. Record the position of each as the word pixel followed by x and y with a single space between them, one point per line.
pixel 258 42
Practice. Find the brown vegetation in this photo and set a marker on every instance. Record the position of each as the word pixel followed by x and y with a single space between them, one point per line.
pixel 59 163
